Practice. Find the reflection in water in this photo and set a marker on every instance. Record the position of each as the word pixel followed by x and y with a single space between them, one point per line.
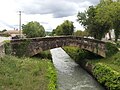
pixel 70 75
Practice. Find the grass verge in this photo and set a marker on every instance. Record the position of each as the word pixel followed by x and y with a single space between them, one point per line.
pixel 26 74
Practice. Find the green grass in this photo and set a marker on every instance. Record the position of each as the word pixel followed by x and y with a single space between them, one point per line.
pixel 113 61
pixel 107 71
pixel 79 54
pixel 45 54
pixel 26 74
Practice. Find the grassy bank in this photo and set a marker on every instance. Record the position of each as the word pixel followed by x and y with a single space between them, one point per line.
pixel 113 61
pixel 35 73
pixel 105 70
pixel 26 74
pixel 79 54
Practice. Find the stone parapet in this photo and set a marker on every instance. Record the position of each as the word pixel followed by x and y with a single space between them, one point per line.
pixel 32 46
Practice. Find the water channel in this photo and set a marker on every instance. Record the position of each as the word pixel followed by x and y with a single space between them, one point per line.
pixel 70 75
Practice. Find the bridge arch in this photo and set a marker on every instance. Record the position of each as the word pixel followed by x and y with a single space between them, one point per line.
pixel 33 46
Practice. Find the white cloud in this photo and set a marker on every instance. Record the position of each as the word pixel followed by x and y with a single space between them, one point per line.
pixel 49 12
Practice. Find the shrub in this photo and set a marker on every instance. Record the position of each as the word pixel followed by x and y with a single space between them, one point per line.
pixel 111 49
pixel 75 53
pixel 118 44
pixel 7 46
pixel 78 54
pixel 44 54
pixel 107 76
pixel 52 77
pixel 21 49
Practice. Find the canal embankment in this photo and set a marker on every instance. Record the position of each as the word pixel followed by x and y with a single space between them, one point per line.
pixel 104 70
pixel 27 73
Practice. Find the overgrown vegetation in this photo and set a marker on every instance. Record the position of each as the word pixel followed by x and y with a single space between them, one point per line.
pixel 118 44
pixel 45 54
pixel 8 49
pixel 79 54
pixel 36 73
pixel 21 49
pixel 51 75
pixel 105 70
pixel 26 74
pixel 111 49
pixel 107 76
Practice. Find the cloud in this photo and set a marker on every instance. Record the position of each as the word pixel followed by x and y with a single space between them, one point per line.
pixel 58 8
pixel 51 13
pixel 81 1
pixel 6 24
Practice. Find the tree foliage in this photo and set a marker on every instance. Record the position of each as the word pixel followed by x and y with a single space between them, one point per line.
pixel 99 19
pixel 81 33
pixel 66 28
pixel 33 29
pixel 88 20
pixel 108 11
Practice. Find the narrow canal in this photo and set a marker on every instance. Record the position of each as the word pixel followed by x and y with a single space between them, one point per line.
pixel 70 75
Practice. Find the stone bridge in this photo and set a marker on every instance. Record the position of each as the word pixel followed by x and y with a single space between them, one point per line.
pixel 32 46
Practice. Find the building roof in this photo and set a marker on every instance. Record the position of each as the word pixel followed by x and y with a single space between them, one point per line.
pixel 12 32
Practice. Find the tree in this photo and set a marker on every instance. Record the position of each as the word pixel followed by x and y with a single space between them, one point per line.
pixel 33 29
pixel 4 30
pixel 87 19
pixel 98 20
pixel 108 12
pixel 116 18
pixel 66 28
pixel 81 33
pixel 103 15
pixel 59 30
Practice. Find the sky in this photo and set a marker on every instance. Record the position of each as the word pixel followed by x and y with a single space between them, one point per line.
pixel 49 13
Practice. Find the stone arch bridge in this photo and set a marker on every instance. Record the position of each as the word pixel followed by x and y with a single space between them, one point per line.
pixel 32 46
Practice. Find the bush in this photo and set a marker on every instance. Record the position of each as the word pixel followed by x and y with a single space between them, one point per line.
pixel 52 77
pixel 78 54
pixel 107 76
pixel 21 49
pixel 111 49
pixel 118 44
pixel 44 54
pixel 8 49
pixel 75 53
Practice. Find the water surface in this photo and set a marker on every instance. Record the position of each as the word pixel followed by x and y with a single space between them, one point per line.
pixel 70 75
